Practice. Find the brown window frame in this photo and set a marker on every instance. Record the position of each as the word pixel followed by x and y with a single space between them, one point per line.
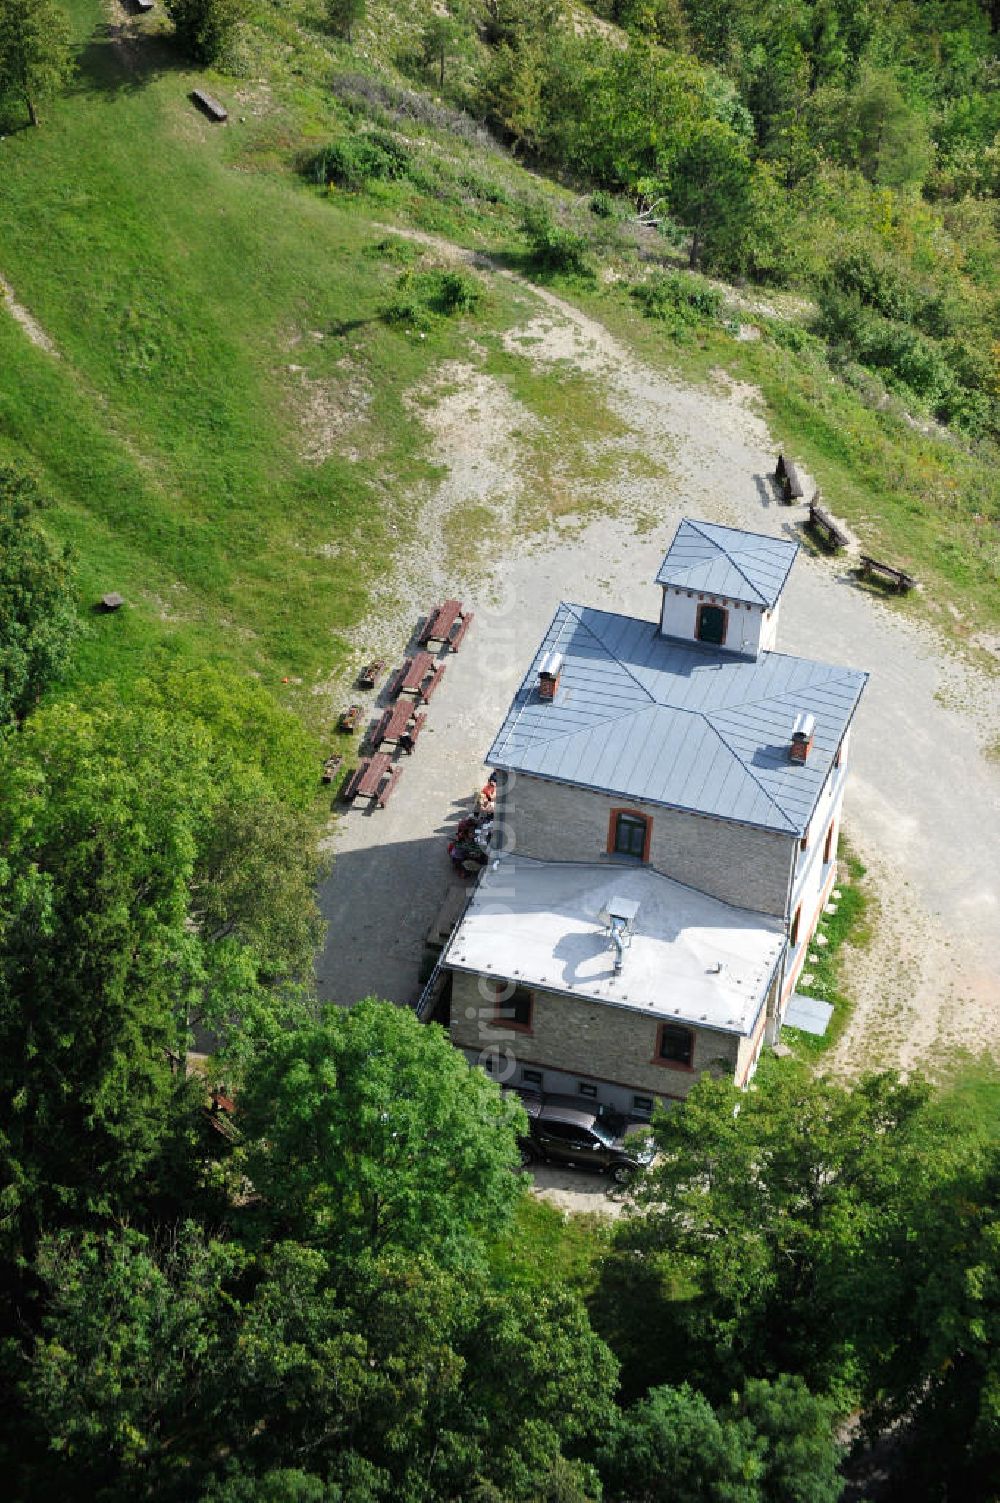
pixel 674 1064
pixel 839 758
pixel 793 933
pixel 499 1021
pixel 804 842
pixel 647 820
pixel 725 623
pixel 828 845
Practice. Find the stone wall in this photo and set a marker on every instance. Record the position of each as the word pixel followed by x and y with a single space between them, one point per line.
pixel 555 822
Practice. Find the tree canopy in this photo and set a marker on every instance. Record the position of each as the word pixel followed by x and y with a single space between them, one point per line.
pixel 38 619
pixel 35 57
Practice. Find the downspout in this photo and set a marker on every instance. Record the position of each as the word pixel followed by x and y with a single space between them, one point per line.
pixel 773 1028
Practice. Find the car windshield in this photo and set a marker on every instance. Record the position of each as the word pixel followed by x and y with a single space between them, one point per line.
pixel 600 1131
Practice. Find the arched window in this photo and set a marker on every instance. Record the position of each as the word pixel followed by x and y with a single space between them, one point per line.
pixel 629 834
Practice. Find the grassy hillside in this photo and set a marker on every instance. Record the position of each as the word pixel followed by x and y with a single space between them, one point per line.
pixel 225 430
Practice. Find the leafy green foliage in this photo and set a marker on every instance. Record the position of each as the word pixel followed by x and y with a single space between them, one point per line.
pixel 344 15
pixel 356 160
pixel 205 27
pixel 554 248
pixel 679 302
pixel 370 1131
pixel 35 58
pixel 420 296
pixel 38 622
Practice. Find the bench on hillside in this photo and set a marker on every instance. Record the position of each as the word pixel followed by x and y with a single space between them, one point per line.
pixel 787 477
pixel 898 578
pixel 209 106
pixel 822 523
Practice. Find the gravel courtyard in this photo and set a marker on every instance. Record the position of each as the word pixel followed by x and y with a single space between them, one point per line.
pixel 923 803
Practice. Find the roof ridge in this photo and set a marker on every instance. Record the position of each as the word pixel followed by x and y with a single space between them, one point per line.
pixel 792 826
pixel 725 551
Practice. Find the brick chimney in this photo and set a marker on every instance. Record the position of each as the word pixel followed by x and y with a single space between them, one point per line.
pixel 548 675
pixel 802 738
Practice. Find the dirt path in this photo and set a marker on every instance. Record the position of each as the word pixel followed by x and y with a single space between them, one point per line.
pixel 29 324
pixel 923 805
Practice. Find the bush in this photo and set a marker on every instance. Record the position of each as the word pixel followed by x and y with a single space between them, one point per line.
pixel 552 247
pixel 203 27
pixel 679 301
pixel 423 295
pixel 354 161
pixel 602 204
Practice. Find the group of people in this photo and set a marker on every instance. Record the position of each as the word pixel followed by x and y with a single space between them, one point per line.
pixel 469 848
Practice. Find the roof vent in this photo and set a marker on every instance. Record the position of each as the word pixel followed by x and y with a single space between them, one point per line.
pixel 619 915
pixel 548 675
pixel 802 738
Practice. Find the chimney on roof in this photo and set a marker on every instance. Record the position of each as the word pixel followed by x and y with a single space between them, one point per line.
pixel 802 737
pixel 619 916
pixel 548 675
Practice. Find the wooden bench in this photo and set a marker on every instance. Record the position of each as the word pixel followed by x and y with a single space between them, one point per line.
pixel 111 602
pixel 388 788
pixel 455 641
pixel 427 688
pixel 209 106
pixel 369 673
pixel 787 477
pixel 350 718
pixel 822 523
pixel 898 578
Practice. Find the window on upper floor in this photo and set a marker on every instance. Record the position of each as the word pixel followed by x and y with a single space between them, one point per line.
pixel 514 1006
pixel 629 834
pixel 674 1046
pixel 712 624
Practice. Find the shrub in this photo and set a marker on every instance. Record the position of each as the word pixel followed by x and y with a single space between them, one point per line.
pixel 679 301
pixel 354 161
pixel 602 204
pixel 552 247
pixel 423 295
pixel 204 27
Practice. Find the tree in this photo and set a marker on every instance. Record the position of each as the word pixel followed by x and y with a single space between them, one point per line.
pixel 370 1131
pixel 344 15
pixel 673 1448
pixel 709 192
pixel 35 58
pixel 438 39
pixel 776 1224
pixel 204 27
pixel 38 620
pixel 893 147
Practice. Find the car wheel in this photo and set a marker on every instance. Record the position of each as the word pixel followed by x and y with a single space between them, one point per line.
pixel 621 1174
pixel 528 1156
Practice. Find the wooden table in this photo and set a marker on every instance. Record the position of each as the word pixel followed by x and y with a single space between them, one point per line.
pixel 441 621
pixel 413 673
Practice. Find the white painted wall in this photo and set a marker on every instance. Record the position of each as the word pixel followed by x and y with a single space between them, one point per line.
pixel 750 630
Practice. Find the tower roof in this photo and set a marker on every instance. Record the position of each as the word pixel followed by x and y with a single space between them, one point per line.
pixel 727 562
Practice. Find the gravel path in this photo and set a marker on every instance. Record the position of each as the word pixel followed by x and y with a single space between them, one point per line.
pixel 923 803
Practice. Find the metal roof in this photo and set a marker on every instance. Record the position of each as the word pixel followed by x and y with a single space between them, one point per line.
pixel 727 562
pixel 676 723
pixel 692 957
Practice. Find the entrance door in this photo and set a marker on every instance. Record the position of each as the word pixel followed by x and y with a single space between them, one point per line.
pixel 711 624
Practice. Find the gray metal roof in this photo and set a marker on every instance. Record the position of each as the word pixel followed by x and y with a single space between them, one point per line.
pixel 727 562
pixel 675 723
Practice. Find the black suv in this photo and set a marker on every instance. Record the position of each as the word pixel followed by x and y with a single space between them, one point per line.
pixel 580 1138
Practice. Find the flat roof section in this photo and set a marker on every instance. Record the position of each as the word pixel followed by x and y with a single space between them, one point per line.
pixel 726 561
pixel 649 718
pixel 691 957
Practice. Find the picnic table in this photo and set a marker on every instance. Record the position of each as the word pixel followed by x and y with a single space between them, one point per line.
pixel 419 675
pixel 373 778
pixel 400 725
pixel 442 621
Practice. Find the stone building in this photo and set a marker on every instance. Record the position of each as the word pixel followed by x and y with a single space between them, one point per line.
pixel 669 798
